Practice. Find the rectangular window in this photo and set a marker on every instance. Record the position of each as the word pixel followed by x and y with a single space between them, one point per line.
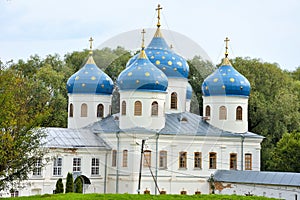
pixel 233 161
pixel 114 158
pixel 76 164
pixel 163 159
pixel 197 160
pixel 182 160
pixel 14 193
pixel 212 160
pixel 248 161
pixel 125 158
pixel 57 165
pixel 95 166
pixel 147 158
pixel 37 171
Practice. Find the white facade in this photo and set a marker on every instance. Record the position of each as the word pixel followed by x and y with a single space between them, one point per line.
pixel 87 108
pixel 230 122
pixel 128 118
pixel 178 86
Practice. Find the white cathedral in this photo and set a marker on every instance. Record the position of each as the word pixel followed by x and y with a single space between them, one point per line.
pixel 154 144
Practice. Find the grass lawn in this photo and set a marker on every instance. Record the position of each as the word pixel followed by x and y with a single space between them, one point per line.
pixel 137 197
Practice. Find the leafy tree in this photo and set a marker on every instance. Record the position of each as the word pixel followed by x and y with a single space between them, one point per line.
pixel 78 185
pixel 199 70
pixel 23 108
pixel 59 187
pixel 273 104
pixel 69 183
pixel 285 156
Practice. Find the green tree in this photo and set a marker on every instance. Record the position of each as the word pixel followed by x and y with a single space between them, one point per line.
pixel 69 183
pixel 199 70
pixel 59 187
pixel 23 108
pixel 78 185
pixel 286 156
pixel 274 106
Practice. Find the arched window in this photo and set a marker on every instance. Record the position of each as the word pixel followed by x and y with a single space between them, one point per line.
pixel 100 111
pixel 123 107
pixel 207 111
pixel 174 100
pixel 71 110
pixel 84 110
pixel 154 109
pixel 223 113
pixel 239 113
pixel 137 108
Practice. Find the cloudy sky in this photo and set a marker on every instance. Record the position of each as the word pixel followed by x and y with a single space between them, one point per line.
pixel 265 29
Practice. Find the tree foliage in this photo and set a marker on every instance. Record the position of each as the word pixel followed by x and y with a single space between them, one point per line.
pixel 78 185
pixel 23 108
pixel 59 187
pixel 286 156
pixel 69 183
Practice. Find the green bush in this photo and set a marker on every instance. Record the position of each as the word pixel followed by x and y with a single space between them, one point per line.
pixel 59 187
pixel 78 185
pixel 69 183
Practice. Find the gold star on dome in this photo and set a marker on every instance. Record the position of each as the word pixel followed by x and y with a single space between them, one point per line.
pixel 137 81
pixel 102 85
pixel 231 80
pixel 147 74
pixel 169 62
pixel 129 74
pixel 157 62
pixel 216 79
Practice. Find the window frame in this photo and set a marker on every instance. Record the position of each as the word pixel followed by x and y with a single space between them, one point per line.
pixel 239 113
pixel 71 111
pixel 114 158
pixel 163 159
pixel 147 158
pixel 207 111
pixel 222 113
pixel 57 167
pixel 100 110
pixel 233 161
pixel 123 111
pixel 125 158
pixel 37 171
pixel 174 101
pixel 154 108
pixel 198 160
pixel 95 166
pixel 248 161
pixel 84 110
pixel 138 111
pixel 212 160
pixel 77 164
pixel 182 160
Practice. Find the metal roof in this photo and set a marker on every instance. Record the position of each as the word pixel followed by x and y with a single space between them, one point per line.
pixel 185 123
pixel 258 177
pixel 72 138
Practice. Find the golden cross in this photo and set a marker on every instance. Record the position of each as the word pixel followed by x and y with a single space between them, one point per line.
pixel 226 46
pixel 143 38
pixel 158 15
pixel 91 44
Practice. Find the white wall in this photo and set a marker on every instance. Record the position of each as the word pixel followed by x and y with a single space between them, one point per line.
pixel 92 101
pixel 145 120
pixel 271 191
pixel 231 103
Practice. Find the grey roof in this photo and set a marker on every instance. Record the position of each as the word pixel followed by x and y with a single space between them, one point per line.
pixel 258 177
pixel 176 124
pixel 72 138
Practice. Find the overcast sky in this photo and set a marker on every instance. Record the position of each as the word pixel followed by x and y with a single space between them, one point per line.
pixel 265 29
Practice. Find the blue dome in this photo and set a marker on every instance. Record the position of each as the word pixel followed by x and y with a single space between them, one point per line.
pixel 226 81
pixel 189 91
pixel 142 75
pixel 159 53
pixel 90 80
